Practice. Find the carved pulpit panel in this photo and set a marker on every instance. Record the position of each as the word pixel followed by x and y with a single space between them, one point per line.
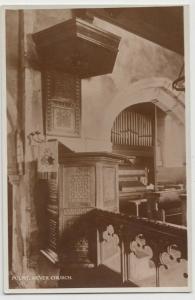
pixel 62 103
pixel 79 187
pixel 109 187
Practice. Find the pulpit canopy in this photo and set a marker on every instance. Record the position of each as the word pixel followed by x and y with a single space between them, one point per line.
pixel 77 47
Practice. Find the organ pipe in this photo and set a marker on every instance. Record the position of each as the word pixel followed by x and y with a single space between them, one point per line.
pixel 132 129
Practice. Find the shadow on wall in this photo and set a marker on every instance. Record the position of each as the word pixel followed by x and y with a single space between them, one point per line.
pixel 175 175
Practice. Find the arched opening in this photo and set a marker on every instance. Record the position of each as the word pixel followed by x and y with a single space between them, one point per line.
pixel 156 90
pixel 133 135
pixel 152 140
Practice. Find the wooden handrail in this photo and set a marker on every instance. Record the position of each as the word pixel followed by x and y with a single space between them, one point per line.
pixel 146 234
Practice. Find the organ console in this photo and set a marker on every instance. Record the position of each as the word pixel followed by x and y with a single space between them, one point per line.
pixel 132 187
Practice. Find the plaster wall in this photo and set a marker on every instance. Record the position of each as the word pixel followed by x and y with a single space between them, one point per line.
pixel 171 166
pixel 105 96
pixel 137 59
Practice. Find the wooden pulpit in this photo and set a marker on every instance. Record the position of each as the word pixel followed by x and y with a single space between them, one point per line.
pixel 76 183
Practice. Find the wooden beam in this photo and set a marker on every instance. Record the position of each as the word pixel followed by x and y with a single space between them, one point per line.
pixel 161 25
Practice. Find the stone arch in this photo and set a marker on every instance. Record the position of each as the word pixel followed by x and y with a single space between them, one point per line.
pixel 156 90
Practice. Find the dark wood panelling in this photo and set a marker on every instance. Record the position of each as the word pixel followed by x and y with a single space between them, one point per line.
pixel 77 47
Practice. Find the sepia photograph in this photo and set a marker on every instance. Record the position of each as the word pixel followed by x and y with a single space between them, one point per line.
pixel 97 191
